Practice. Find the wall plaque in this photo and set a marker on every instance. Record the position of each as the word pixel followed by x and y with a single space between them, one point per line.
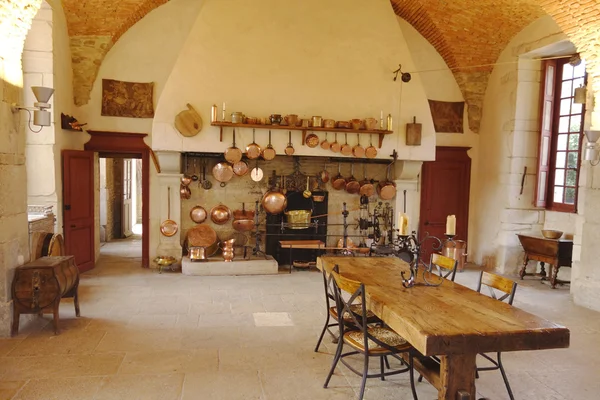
pixel 447 115
pixel 127 99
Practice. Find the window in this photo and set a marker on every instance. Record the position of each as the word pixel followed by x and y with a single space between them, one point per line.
pixel 561 135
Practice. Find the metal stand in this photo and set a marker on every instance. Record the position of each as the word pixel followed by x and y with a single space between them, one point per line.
pixel 345 251
pixel 256 250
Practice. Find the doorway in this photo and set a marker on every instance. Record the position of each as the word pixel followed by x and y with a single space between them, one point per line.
pixel 120 205
pixel 446 183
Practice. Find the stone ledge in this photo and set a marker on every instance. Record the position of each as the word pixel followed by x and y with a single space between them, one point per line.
pixel 218 267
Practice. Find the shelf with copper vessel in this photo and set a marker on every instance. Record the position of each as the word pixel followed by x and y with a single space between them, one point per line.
pixel 224 124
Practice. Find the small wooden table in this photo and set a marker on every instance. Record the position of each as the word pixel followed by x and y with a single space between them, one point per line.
pixel 450 321
pixel 554 252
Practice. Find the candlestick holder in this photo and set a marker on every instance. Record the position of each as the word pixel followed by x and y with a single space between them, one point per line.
pixel 410 244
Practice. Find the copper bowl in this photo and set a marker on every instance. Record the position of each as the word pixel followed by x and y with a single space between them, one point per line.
pixel 551 234
pixel 329 123
pixel 243 225
pixel 220 214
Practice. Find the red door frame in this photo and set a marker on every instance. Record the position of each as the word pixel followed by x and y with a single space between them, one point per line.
pixel 130 144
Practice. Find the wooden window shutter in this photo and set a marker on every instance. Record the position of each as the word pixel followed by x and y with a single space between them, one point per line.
pixel 546 119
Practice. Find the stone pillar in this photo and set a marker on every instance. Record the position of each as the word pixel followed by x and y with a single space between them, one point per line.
pixel 169 181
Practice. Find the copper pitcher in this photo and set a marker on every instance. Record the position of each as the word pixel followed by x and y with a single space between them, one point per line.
pixel 228 252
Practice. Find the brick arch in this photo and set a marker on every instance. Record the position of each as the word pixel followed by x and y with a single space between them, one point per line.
pixel 15 21
pixel 582 25
pixel 93 33
pixel 468 34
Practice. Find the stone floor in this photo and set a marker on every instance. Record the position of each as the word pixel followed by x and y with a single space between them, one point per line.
pixel 172 337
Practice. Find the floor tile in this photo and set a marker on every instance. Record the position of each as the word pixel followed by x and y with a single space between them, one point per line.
pixel 60 389
pixel 273 319
pixel 146 387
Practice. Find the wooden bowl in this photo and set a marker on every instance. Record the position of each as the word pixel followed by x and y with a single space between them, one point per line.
pixel 551 234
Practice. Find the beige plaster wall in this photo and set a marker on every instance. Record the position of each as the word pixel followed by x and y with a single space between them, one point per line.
pixel 439 84
pixel 509 140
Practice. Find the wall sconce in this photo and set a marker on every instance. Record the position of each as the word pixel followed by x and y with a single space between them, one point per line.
pixel 580 95
pixel 41 117
pixel 592 148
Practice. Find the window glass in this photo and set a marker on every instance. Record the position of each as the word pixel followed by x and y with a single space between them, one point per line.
pixel 563 125
pixel 570 196
pixel 561 143
pixel 566 89
pixel 559 177
pixel 573 141
pixel 571 177
pixel 576 108
pixel 561 158
pixel 579 71
pixel 558 194
pixel 567 71
pixel 575 124
pixel 565 106
pixel 572 160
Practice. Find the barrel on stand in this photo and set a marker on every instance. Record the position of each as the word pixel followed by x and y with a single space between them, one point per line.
pixel 46 244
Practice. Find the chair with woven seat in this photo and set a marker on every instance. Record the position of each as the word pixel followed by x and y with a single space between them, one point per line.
pixel 332 312
pixel 368 341
pixel 508 288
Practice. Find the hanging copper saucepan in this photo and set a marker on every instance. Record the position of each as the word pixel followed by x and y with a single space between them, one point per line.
pixel 185 192
pixel 233 154
pixel 387 188
pixel 198 214
pixel 169 227
pixel 325 175
pixel 223 172
pixel 185 179
pixel 366 186
pixel 371 151
pixel 352 185
pixel 339 182
pixel 220 214
pixel 240 168
pixel 253 150
pixel 325 144
pixel 289 150
pixel 358 150
pixel 346 150
pixel 269 152
pixel 243 213
pixel 335 146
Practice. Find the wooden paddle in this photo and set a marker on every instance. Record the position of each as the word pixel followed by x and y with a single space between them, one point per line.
pixel 188 122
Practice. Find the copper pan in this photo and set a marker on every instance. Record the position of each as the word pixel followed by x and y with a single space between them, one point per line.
pixel 243 213
pixel 335 146
pixel 371 151
pixel 243 225
pixel 169 227
pixel 387 188
pixel 346 150
pixel 366 186
pixel 240 168
pixel 253 150
pixel 220 214
pixel 223 172
pixel 358 150
pixel 352 185
pixel 325 175
pixel 185 192
pixel 198 214
pixel 233 154
pixel 269 152
pixel 339 182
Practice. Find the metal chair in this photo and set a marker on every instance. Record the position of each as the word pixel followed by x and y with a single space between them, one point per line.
pixel 366 340
pixel 508 288
pixel 446 266
pixel 332 312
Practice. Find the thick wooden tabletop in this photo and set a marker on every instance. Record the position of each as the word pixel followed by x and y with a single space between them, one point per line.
pixel 447 319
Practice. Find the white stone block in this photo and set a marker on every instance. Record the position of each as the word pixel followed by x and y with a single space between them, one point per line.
pixel 591 209
pixel 38 62
pixel 216 266
pixel 525 144
pixel 166 137
pixel 520 216
pixel 517 164
pixel 39 37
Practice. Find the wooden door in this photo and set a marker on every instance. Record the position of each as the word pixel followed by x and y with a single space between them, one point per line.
pixel 126 216
pixel 78 201
pixel 445 186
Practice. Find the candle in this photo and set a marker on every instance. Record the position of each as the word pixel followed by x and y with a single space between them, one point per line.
pixel 451 225
pixel 381 119
pixel 403 223
pixel 223 112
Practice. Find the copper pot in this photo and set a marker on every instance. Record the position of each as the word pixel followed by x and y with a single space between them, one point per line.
pixel 198 253
pixel 339 182
pixel 269 152
pixel 274 202
pixel 346 150
pixel 371 151
pixel 253 150
pixel 233 154
pixel 240 168
pixel 243 225
pixel 335 146
pixel 223 172
pixel 185 192
pixel 358 150
pixel 220 214
pixel 203 236
pixel 352 185
pixel 387 188
pixel 366 186
pixel 198 214
pixel 243 213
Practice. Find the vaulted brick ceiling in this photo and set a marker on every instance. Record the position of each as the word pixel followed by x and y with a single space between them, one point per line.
pixel 466 33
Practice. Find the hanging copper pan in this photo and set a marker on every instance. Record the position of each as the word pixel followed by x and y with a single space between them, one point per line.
pixel 387 188
pixel 366 186
pixel 352 185
pixel 220 214
pixel 240 168
pixel 233 154
pixel 269 152
pixel 253 150
pixel 346 150
pixel 358 150
pixel 198 214
pixel 371 151
pixel 335 146
pixel 185 192
pixel 169 227
pixel 223 172
pixel 339 182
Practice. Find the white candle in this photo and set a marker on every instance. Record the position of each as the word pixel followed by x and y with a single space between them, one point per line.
pixel 223 106
pixel 451 225
pixel 403 226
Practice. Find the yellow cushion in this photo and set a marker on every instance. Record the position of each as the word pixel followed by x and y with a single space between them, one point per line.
pixel 356 309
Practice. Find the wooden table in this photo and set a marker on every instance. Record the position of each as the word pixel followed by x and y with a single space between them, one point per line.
pixel 450 321
pixel 554 252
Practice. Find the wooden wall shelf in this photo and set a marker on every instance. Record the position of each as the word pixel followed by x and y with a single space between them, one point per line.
pixel 379 132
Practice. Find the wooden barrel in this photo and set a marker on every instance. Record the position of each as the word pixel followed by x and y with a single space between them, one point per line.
pixel 46 244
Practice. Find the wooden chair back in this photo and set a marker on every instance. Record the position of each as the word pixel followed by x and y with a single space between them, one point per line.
pixel 446 266
pixel 500 283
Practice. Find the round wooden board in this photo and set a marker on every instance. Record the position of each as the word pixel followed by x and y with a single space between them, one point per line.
pixel 188 122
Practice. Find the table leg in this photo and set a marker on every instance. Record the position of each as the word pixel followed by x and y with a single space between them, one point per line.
pixel 457 376
pixel 554 276
pixel 522 272
pixel 543 271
